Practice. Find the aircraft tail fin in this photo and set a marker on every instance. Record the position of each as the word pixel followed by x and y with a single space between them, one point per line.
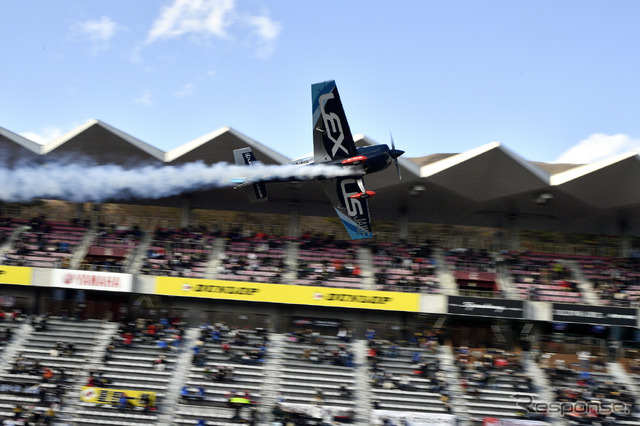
pixel 245 157
pixel 332 139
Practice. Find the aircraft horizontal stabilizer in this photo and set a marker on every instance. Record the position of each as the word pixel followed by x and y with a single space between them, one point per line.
pixel 245 157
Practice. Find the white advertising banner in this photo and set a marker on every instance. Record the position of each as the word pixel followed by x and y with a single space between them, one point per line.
pixel 88 280
pixel 407 418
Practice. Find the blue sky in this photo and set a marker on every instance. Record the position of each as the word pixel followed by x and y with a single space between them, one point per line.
pixel 552 81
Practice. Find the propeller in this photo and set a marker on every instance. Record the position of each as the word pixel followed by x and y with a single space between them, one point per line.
pixel 395 153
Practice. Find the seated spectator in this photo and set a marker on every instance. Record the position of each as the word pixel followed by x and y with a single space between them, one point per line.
pixel 185 394
pixel 160 363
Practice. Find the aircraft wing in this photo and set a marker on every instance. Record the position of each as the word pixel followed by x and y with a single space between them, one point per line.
pixel 332 139
pixel 353 212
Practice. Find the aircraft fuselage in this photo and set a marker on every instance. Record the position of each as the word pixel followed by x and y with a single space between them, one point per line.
pixel 378 157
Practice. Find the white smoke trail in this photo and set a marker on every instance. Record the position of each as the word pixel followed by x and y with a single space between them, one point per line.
pixel 98 183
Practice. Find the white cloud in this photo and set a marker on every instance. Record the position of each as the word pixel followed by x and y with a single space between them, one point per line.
pixel 219 19
pixel 144 99
pixel 265 27
pixel 267 32
pixel 99 31
pixel 203 17
pixel 45 135
pixel 186 90
pixel 598 146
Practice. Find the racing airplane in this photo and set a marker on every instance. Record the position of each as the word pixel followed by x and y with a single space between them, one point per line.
pixel 333 144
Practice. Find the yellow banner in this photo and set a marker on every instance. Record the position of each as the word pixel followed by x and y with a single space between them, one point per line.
pixel 15 275
pixel 112 396
pixel 294 294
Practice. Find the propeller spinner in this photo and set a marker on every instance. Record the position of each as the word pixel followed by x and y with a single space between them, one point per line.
pixel 395 153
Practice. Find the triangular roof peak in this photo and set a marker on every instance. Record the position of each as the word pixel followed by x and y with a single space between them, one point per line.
pixel 196 143
pixel 141 145
pixel 178 152
pixel 454 160
pixel 580 171
pixel 21 140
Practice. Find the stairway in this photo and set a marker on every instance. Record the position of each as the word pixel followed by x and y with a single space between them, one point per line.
pixel 584 285
pixel 543 389
pixel 367 268
pixel 82 249
pixel 181 370
pixel 11 351
pixel 271 383
pixel 506 283
pixel 134 264
pixel 362 384
pixel 291 263
pixel 621 376
pixel 6 247
pixel 448 365
pixel 447 282
pixel 213 262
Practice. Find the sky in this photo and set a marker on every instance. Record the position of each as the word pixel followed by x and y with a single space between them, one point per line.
pixel 552 81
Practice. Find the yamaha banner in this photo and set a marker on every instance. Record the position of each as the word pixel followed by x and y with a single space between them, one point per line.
pixel 486 307
pixel 600 315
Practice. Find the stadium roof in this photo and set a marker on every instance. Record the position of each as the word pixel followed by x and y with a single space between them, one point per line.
pixel 486 186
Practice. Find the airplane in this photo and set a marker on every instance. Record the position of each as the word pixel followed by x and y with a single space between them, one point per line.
pixel 333 145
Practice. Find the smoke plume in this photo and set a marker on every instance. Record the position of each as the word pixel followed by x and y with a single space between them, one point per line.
pixel 99 183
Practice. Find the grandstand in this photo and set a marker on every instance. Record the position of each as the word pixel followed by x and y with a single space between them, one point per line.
pixel 205 309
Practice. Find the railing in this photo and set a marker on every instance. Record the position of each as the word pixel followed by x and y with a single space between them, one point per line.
pixel 569 249
pixel 97 267
pixel 573 345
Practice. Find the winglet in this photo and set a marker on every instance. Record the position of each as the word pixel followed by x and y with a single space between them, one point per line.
pixel 355 231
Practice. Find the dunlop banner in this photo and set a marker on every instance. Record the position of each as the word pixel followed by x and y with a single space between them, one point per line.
pixel 293 294
pixel 15 275
pixel 112 396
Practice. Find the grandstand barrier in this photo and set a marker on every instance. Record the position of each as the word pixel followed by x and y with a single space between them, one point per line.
pixel 486 307
pixel 82 280
pixel 288 294
pixel 413 418
pixel 17 275
pixel 433 303
pixel 589 314
pixel 315 296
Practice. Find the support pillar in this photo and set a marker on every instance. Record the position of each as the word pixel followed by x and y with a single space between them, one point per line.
pixel 185 212
pixel 95 215
pixel 625 240
pixel 513 234
pixel 79 212
pixel 294 220
pixel 403 225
